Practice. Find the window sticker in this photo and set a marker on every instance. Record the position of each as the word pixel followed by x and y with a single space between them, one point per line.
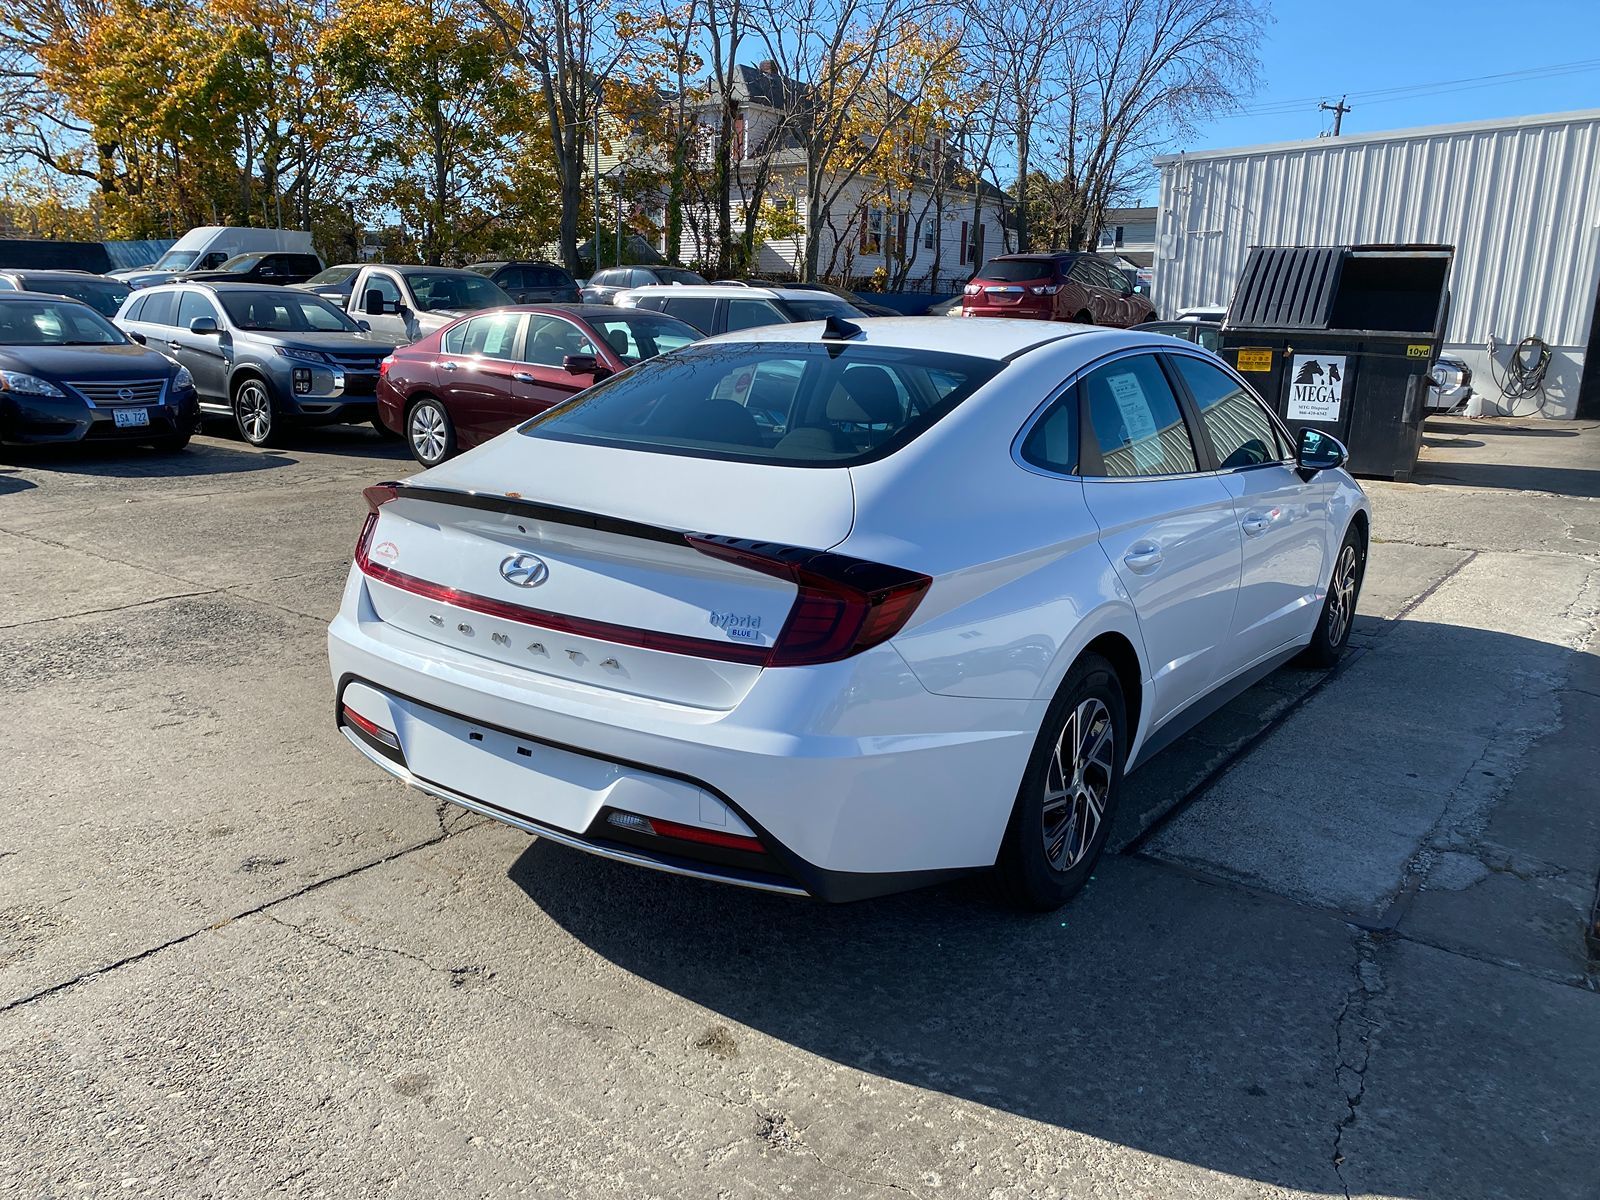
pixel 1143 437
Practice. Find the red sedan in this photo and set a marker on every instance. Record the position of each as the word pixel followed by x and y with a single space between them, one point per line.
pixel 493 370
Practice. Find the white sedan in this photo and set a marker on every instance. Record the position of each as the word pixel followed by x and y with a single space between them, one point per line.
pixel 838 610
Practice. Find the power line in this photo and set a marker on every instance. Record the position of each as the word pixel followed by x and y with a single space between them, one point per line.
pixel 1415 91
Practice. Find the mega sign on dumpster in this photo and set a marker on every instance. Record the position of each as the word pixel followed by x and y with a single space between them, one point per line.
pixel 1316 387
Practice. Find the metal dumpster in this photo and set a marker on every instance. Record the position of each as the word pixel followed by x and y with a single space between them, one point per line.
pixel 1341 338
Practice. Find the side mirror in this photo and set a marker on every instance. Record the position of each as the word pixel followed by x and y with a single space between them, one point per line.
pixel 583 364
pixel 203 325
pixel 137 337
pixel 1319 451
pixel 366 326
pixel 374 305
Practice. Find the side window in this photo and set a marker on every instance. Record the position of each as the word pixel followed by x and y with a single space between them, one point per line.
pixel 1052 443
pixel 699 311
pixel 748 314
pixel 639 277
pixel 385 286
pixel 1239 429
pixel 1082 272
pixel 161 308
pixel 550 340
pixel 192 305
pixel 6 285
pixel 1136 419
pixel 510 277
pixel 493 336
pixel 653 303
pixel 135 309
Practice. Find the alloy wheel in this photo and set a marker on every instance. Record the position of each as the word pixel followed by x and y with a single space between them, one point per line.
pixel 255 413
pixel 428 433
pixel 1342 595
pixel 1077 784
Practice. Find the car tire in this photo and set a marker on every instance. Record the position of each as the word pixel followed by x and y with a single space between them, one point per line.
pixel 383 431
pixel 1056 834
pixel 171 444
pixel 255 413
pixel 1332 635
pixel 430 434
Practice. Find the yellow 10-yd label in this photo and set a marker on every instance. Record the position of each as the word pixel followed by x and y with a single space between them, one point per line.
pixel 1419 351
pixel 1255 360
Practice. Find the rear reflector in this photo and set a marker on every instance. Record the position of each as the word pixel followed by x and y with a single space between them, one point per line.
pixel 656 827
pixel 371 728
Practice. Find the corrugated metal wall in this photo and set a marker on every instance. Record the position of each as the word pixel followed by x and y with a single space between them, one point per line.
pixel 1520 201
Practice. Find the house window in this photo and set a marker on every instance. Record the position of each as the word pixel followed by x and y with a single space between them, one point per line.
pixel 1119 237
pixel 965 244
pixel 930 235
pixel 900 238
pixel 872 231
pixel 972 250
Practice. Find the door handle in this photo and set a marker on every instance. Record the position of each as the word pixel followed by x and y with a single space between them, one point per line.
pixel 448 365
pixel 1256 523
pixel 523 377
pixel 174 346
pixel 1143 557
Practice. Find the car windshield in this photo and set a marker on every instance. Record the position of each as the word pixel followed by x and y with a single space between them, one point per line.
pixel 240 263
pixel 635 336
pixel 333 275
pixel 102 296
pixel 677 275
pixel 55 323
pixel 809 404
pixel 1015 270
pixel 280 310
pixel 176 260
pixel 460 291
pixel 821 309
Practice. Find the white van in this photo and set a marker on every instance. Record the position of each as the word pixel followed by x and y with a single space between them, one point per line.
pixel 208 245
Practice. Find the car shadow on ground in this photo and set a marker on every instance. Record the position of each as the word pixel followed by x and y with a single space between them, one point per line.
pixel 112 461
pixel 10 482
pixel 1157 1011
pixel 1575 482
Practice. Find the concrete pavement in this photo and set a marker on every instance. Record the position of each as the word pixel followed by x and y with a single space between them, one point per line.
pixel 1339 950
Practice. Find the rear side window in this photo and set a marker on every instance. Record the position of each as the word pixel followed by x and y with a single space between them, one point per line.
pixel 1238 427
pixel 1052 443
pixel 804 405
pixel 696 310
pixel 493 336
pixel 160 308
pixel 135 309
pixel 1136 420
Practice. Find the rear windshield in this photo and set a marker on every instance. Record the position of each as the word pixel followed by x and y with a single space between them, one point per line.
pixel 677 275
pixel 821 309
pixel 803 405
pixel 1015 270
pixel 104 296
pixel 333 275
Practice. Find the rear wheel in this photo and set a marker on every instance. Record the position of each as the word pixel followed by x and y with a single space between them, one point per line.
pixel 429 432
pixel 1339 608
pixel 256 415
pixel 1063 811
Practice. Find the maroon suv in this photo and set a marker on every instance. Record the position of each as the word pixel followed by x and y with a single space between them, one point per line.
pixel 1056 287
pixel 489 371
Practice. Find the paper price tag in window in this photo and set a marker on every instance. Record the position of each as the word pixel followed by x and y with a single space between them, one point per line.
pixel 1143 437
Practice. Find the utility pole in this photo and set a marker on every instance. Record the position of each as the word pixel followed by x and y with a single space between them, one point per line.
pixel 1338 110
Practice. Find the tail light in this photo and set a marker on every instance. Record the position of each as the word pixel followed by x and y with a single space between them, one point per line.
pixel 376 497
pixel 973 289
pixel 842 605
pixel 1045 289
pixel 384 364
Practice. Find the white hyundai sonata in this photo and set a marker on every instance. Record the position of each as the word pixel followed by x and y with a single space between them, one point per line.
pixel 838 610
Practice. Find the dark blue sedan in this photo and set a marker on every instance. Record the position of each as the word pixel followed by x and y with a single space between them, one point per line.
pixel 68 375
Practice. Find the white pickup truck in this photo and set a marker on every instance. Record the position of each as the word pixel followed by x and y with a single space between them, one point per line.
pixel 407 303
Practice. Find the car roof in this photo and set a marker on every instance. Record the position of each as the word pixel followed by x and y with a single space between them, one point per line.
pixel 980 337
pixel 588 312
pixel 733 291
pixel 53 297
pixel 66 273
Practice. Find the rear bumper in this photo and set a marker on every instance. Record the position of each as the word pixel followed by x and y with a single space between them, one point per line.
pixel 856 780
pixel 1019 312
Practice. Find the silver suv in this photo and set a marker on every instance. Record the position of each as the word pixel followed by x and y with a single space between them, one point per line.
pixel 269 357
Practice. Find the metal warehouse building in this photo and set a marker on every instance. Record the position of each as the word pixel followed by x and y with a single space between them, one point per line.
pixel 1519 199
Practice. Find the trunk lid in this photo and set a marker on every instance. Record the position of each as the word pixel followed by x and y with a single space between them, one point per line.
pixel 568 562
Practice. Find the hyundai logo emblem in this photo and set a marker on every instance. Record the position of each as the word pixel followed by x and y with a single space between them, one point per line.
pixel 524 570
pixel 124 393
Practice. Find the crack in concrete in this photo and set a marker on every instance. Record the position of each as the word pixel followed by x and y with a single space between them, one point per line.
pixel 1350 1068
pixel 151 951
pixel 115 608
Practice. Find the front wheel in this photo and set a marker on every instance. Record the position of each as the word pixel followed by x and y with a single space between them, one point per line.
pixel 256 415
pixel 429 432
pixel 1332 634
pixel 1063 811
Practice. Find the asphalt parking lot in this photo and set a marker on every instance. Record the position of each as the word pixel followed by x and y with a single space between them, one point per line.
pixel 1339 949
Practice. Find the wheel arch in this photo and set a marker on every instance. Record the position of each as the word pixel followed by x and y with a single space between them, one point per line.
pixel 1112 632
pixel 244 373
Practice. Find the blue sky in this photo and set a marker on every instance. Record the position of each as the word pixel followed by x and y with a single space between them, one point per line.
pixel 1316 50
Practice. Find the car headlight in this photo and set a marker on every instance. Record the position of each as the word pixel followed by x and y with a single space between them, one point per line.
pixel 29 385
pixel 316 356
pixel 182 381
